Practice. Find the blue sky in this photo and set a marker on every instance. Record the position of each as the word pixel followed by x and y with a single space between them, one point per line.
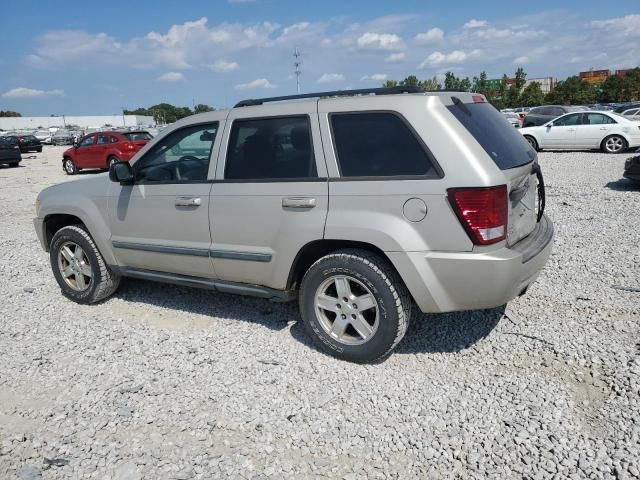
pixel 97 57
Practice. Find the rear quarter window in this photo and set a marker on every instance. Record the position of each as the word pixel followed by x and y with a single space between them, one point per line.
pixel 503 143
pixel 379 144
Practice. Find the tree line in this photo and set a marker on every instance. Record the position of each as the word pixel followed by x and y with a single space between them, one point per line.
pixel 9 113
pixel 510 94
pixel 167 113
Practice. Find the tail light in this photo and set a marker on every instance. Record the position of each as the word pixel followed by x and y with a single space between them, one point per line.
pixel 483 212
pixel 130 146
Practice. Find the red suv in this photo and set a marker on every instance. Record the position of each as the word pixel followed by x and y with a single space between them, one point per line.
pixel 101 149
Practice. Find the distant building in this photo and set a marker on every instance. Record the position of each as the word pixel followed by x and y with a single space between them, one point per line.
pixel 83 121
pixel 546 83
pixel 595 77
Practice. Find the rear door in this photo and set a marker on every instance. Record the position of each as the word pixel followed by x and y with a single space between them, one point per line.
pixel 270 197
pixel 593 128
pixel 98 153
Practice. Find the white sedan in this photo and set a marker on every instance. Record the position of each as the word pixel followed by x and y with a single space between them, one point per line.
pixel 589 130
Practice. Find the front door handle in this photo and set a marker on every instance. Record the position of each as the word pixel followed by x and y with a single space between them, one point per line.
pixel 188 201
pixel 299 202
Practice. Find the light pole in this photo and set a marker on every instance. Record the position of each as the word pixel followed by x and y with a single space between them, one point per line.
pixel 124 124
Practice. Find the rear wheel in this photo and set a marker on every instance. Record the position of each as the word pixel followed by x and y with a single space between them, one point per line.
pixel 613 144
pixel 79 268
pixel 39 150
pixel 14 165
pixel 354 305
pixel 112 160
pixel 69 166
pixel 532 141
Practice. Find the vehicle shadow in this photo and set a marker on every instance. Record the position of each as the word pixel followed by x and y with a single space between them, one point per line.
pixel 449 332
pixel 272 315
pixel 7 167
pixel 91 172
pixel 623 185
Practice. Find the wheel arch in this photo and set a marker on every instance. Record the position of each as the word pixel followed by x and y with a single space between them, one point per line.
pixel 617 134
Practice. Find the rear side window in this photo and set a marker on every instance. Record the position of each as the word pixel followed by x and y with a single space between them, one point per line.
pixel 270 149
pixel 503 143
pixel 378 144
pixel 137 136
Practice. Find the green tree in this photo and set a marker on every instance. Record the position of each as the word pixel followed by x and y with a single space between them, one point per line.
pixel 521 78
pixel 9 113
pixel 572 91
pixel 532 95
pixel 480 84
pixel 430 84
pixel 201 108
pixel 451 82
pixel 410 81
pixel 390 84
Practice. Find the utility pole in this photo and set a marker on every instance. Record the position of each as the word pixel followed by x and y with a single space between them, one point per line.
pixel 297 62
pixel 124 124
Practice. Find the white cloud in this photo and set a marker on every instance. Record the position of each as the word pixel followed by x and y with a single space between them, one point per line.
pixel 495 33
pixel 224 66
pixel 23 92
pixel 433 35
pixel 296 27
pixel 439 58
pixel 381 41
pixel 258 83
pixel 523 60
pixel 331 78
pixel 376 77
pixel 629 25
pixel 473 23
pixel 395 57
pixel 171 77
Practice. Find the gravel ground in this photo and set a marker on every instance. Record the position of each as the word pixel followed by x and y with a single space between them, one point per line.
pixel 171 382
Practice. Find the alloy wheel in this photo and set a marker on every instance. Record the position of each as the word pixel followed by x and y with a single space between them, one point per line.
pixel 347 310
pixel 74 266
pixel 614 144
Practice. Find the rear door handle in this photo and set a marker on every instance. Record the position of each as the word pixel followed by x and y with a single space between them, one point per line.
pixel 299 202
pixel 188 201
pixel 604 128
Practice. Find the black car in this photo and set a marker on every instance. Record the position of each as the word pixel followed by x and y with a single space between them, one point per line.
pixel 632 169
pixel 29 143
pixel 540 115
pixel 10 151
pixel 626 106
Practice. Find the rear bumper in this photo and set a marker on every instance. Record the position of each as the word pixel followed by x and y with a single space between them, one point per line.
pixel 452 281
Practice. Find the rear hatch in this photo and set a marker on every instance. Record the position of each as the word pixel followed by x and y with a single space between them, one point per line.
pixel 512 154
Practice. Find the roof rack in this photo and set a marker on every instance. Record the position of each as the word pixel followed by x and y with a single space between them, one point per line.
pixel 337 93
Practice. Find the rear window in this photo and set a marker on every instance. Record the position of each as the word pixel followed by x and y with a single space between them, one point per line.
pixel 378 144
pixel 495 134
pixel 137 136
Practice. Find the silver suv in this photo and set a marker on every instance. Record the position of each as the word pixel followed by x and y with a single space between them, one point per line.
pixel 364 205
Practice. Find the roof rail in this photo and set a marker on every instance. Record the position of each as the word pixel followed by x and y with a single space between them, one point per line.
pixel 336 93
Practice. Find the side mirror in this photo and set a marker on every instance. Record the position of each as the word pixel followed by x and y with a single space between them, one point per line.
pixel 121 172
pixel 549 125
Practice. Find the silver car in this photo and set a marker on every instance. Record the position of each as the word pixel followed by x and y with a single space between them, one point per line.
pixel 365 206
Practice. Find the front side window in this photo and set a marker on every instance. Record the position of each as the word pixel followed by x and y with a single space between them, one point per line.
pixel 86 142
pixel 182 156
pixel 270 148
pixel 567 120
pixel 378 144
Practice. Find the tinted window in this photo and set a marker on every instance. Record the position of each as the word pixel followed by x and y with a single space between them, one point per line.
pixel 182 156
pixel 568 120
pixel 631 112
pixel 557 111
pixel 270 148
pixel 536 111
pixel 85 142
pixel 378 145
pixel 137 136
pixel 494 133
pixel 597 119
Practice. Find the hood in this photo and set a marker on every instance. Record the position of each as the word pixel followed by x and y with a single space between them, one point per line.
pixel 93 186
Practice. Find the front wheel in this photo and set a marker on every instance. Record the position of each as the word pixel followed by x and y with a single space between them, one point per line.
pixel 69 167
pixel 112 160
pixel 79 268
pixel 354 305
pixel 613 144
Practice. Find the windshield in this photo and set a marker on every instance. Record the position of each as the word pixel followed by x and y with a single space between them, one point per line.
pixel 495 134
pixel 137 136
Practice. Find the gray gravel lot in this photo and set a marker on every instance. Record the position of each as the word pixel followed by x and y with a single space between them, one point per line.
pixel 171 382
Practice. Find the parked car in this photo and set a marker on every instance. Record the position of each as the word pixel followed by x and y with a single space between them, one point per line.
pixel 362 207
pixel 606 131
pixel 632 169
pixel 101 149
pixel 541 115
pixel 626 106
pixel 44 136
pixel 9 151
pixel 62 137
pixel 28 143
pixel 513 118
pixel 632 113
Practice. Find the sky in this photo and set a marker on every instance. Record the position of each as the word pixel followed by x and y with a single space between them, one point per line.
pixel 95 58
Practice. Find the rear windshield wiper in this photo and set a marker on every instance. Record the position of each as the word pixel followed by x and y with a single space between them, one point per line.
pixel 459 103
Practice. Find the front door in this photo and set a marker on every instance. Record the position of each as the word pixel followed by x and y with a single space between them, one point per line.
pixel 161 222
pixel 270 196
pixel 562 134
pixel 83 152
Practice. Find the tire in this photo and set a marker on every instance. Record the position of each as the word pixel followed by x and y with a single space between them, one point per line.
pixel 532 141
pixel 369 277
pixel 613 144
pixel 13 165
pixel 111 160
pixel 39 150
pixel 69 166
pixel 101 282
